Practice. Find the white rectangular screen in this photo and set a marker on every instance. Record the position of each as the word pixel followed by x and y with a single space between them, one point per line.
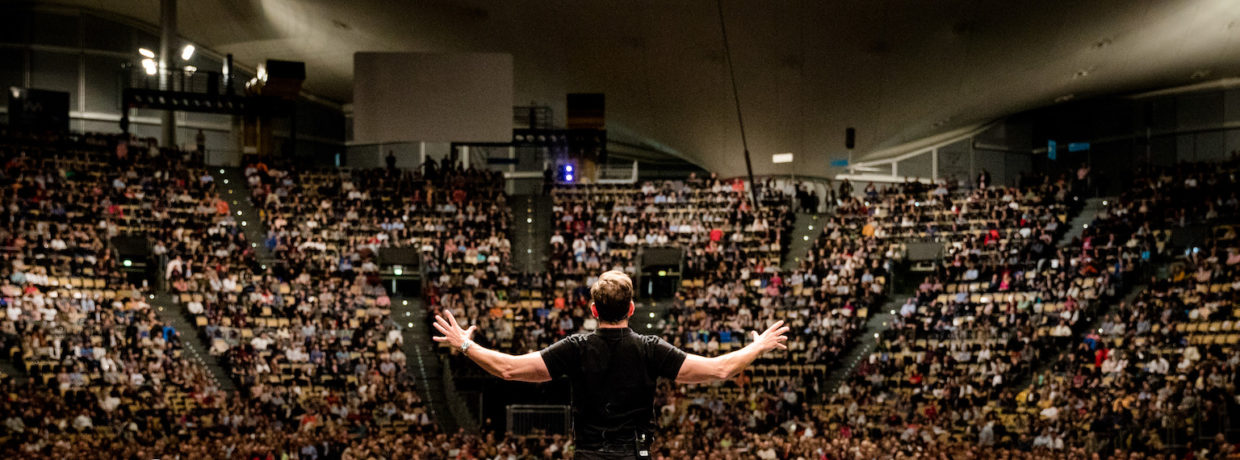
pixel 435 97
pixel 781 158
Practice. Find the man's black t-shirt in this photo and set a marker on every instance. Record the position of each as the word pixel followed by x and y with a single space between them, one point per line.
pixel 613 372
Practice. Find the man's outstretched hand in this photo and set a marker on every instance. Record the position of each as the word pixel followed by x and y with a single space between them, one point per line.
pixel 772 338
pixel 452 332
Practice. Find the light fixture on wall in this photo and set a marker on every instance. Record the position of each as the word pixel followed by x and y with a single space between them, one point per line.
pixel 146 53
pixel 149 65
pixel 187 52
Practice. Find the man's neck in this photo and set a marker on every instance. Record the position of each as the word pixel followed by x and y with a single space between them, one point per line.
pixel 620 325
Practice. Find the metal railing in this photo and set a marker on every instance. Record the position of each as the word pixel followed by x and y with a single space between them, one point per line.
pixel 616 174
pixel 176 80
pixel 539 419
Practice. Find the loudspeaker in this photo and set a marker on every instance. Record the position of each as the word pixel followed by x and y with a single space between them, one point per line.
pixel 661 256
pixel 922 252
pixel 284 78
pixel 586 111
pixel 850 138
pixel 291 70
pixel 131 247
pixel 407 257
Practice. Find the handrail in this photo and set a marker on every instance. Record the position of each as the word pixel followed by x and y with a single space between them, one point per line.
pixel 921 146
pixel 598 176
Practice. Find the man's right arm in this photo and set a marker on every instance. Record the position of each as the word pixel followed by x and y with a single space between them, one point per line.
pixel 529 367
pixel 700 369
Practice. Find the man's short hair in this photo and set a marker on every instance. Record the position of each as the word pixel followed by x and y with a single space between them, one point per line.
pixel 612 294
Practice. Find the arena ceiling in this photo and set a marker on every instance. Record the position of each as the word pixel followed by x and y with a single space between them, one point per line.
pixel 897 70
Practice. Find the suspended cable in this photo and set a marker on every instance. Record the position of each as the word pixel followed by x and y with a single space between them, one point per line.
pixel 740 120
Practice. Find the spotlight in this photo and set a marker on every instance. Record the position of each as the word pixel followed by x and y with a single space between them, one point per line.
pixel 189 70
pixel 398 270
pixel 127 263
pixel 150 66
pixel 187 52
pixel 146 53
pixel 568 178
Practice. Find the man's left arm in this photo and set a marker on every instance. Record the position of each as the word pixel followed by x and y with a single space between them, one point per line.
pixel 524 368
pixel 699 369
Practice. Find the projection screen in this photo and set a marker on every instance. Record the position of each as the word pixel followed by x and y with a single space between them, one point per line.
pixel 432 97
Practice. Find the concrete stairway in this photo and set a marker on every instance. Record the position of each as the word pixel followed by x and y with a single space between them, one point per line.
pixel 423 361
pixel 192 339
pixel 1076 226
pixel 232 187
pixel 530 232
pixel 878 322
pixel 10 369
pixel 805 232
pixel 647 315
pixel 1078 333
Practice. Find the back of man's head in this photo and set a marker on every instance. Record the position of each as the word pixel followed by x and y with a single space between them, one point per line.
pixel 612 295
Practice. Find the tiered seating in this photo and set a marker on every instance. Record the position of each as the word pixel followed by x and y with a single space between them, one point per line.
pixel 695 214
pixel 982 320
pixel 1159 371
pixel 312 320
pixel 1153 375
pixel 459 219
pixel 72 319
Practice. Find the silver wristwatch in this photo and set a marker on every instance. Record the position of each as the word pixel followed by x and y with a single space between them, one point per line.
pixel 465 346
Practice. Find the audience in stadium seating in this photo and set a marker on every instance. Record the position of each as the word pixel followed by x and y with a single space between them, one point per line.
pixel 1008 348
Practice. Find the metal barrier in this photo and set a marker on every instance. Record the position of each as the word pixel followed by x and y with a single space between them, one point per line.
pixel 616 174
pixel 539 419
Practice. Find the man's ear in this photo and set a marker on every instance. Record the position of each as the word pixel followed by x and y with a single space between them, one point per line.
pixel 593 311
pixel 631 308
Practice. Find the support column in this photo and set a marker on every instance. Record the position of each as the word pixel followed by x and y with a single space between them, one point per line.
pixel 237 129
pixel 167 47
